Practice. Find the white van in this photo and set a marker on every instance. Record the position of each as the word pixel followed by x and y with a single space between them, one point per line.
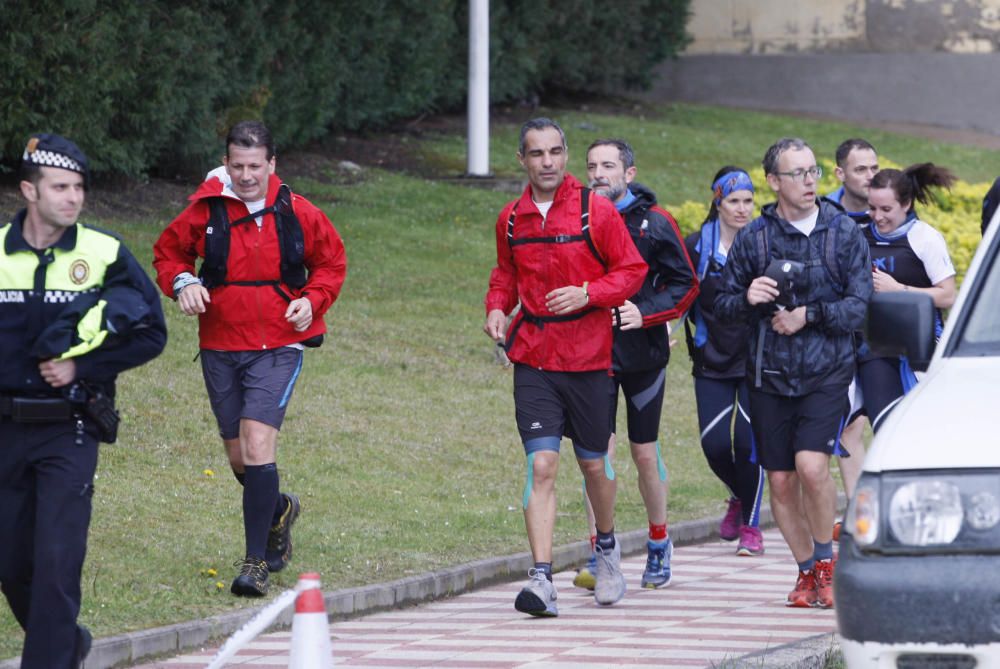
pixel 917 583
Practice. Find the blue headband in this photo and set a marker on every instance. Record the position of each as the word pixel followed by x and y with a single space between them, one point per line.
pixel 729 183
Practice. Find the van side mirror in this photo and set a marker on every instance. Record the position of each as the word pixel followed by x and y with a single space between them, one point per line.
pixel 902 323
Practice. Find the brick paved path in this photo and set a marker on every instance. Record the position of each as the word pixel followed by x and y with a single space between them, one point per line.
pixel 719 607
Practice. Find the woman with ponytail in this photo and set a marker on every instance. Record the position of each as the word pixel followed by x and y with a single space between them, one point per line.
pixel 718 352
pixel 907 255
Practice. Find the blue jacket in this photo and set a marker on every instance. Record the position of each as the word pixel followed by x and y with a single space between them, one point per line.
pixel 823 352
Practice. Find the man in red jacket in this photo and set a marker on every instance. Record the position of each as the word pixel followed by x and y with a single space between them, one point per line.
pixel 566 256
pixel 272 266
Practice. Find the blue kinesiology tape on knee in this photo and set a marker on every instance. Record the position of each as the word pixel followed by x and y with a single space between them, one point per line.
pixel 529 481
pixel 609 471
pixel 661 466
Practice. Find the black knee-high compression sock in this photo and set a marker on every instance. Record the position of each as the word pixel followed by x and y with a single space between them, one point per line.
pixel 260 496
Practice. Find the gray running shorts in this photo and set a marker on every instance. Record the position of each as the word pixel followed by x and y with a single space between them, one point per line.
pixel 250 384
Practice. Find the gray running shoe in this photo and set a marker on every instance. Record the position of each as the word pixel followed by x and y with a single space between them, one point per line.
pixel 610 585
pixel 538 598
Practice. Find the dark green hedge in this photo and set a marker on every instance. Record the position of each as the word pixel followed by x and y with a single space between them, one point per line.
pixel 151 87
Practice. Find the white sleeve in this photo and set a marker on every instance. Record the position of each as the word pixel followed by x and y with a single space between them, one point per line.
pixel 930 247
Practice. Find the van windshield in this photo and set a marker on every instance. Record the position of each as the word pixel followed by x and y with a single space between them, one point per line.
pixel 981 333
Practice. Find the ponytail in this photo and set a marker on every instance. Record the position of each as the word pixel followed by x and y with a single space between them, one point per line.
pixel 914 183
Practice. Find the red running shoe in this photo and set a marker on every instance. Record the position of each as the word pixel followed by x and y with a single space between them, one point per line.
pixel 836 531
pixel 804 594
pixel 823 573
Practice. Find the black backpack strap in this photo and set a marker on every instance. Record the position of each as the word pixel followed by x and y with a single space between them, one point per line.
pixel 689 337
pixel 540 321
pixel 510 224
pixel 760 236
pixel 250 217
pixel 293 246
pixel 213 267
pixel 585 194
pixel 584 235
pixel 830 259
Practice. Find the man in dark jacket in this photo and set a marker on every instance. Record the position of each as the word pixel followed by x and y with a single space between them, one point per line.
pixel 641 339
pixel 76 309
pixel 563 254
pixel 800 274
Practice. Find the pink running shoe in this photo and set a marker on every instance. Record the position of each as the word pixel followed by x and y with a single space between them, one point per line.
pixel 729 528
pixel 751 542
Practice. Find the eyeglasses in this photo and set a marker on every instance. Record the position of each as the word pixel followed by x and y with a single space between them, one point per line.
pixel 816 172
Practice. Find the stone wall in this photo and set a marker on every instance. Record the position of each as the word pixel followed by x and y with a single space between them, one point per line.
pixel 878 26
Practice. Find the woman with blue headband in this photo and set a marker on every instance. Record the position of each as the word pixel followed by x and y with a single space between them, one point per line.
pixel 718 354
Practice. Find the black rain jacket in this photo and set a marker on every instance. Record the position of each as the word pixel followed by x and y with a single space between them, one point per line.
pixel 823 352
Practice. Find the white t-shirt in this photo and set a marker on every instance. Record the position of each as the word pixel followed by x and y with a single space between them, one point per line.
pixel 543 207
pixel 932 249
pixel 256 205
pixel 807 224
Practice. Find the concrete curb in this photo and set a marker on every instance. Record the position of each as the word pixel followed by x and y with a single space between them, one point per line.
pixel 813 653
pixel 146 645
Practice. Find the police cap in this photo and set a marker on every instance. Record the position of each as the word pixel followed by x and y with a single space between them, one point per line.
pixel 48 150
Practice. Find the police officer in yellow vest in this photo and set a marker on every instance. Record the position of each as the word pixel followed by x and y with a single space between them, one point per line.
pixel 75 310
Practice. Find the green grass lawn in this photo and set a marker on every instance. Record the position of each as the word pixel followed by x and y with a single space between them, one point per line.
pixel 400 438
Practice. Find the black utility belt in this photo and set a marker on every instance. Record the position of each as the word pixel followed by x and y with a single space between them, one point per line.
pixel 36 409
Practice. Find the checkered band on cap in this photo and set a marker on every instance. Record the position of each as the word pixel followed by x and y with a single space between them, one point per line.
pixel 48 150
pixel 52 159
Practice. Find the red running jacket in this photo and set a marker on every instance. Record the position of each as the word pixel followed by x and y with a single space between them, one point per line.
pixel 527 272
pixel 249 318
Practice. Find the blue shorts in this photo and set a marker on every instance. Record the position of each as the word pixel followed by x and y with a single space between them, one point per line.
pixel 250 384
pixel 550 405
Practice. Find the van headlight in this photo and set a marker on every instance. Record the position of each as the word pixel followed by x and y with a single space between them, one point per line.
pixel 983 511
pixel 926 513
pixel 934 510
pixel 862 517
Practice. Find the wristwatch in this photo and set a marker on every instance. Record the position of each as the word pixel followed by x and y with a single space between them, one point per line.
pixel 814 314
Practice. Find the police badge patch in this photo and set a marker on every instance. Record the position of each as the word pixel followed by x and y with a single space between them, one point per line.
pixel 79 272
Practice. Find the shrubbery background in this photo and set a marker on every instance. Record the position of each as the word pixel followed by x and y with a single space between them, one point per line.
pixel 150 87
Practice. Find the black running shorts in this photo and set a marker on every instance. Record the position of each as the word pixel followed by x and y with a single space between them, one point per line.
pixel 643 403
pixel 783 426
pixel 557 404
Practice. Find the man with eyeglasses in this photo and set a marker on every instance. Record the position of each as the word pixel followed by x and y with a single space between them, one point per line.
pixel 800 274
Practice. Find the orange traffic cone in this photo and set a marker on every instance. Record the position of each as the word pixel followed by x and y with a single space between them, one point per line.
pixel 310 627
